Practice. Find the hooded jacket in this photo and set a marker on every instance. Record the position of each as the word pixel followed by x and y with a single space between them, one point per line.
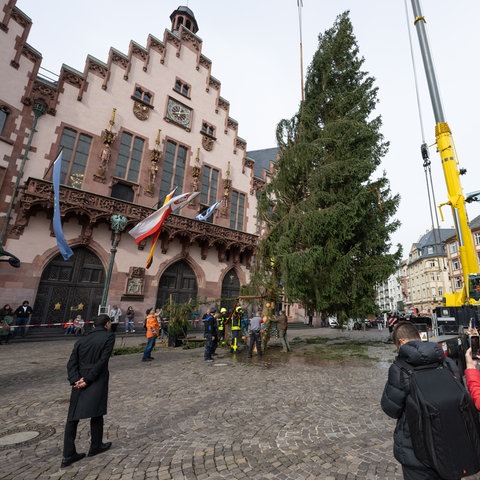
pixel 397 389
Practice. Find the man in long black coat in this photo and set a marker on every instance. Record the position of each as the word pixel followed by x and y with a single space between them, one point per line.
pixel 88 375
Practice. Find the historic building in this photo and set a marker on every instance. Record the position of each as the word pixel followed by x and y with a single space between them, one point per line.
pixel 427 272
pixel 132 127
pixel 455 271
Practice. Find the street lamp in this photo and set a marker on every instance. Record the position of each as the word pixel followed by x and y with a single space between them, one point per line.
pixel 118 222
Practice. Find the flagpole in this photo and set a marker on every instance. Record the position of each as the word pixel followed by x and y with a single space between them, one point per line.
pixel 300 5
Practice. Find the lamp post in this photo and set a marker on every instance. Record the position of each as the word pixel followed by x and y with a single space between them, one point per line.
pixel 118 222
pixel 38 108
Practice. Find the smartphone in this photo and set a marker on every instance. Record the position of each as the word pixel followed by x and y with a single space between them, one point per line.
pixel 475 345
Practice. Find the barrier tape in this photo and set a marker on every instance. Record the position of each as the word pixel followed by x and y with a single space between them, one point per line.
pixel 59 324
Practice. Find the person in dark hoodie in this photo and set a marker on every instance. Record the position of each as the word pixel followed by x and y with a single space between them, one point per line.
pixel 415 352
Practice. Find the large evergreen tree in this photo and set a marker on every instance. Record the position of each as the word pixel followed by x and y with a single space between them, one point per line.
pixel 328 221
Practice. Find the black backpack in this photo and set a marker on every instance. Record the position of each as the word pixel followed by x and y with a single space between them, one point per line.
pixel 443 421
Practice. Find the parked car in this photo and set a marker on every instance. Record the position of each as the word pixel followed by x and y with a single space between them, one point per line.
pixel 332 322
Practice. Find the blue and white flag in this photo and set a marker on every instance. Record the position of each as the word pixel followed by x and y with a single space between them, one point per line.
pixel 65 250
pixel 209 212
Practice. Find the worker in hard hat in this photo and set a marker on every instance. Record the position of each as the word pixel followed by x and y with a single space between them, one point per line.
pixel 222 326
pixel 236 328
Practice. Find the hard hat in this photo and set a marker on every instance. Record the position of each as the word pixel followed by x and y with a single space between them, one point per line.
pixel 223 310
pixel 238 309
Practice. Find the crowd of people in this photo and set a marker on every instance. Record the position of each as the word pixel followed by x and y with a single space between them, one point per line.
pixel 14 322
pixel 243 330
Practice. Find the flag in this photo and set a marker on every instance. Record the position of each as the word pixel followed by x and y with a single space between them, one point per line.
pixel 205 216
pixel 156 235
pixel 65 250
pixel 153 223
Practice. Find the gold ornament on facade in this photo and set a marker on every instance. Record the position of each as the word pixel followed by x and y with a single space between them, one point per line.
pixel 196 171
pixel 108 137
pixel 141 111
pixel 155 157
pixel 227 185
pixel 207 143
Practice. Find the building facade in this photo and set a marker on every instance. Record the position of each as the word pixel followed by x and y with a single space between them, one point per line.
pixel 427 272
pixel 131 128
pixel 455 271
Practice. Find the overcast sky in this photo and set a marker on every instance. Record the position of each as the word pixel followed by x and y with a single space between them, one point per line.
pixel 254 48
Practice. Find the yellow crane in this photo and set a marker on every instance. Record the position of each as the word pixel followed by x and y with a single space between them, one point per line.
pixel 469 295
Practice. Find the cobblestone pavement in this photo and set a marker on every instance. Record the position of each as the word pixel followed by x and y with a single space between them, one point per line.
pixel 287 417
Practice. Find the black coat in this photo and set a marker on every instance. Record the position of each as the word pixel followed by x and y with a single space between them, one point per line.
pixel 397 389
pixel 89 359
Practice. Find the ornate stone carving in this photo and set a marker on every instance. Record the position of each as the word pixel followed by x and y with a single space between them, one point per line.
pixel 38 196
pixel 141 111
pixel 207 143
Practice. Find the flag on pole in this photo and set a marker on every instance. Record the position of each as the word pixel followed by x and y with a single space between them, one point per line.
pixel 65 250
pixel 157 234
pixel 153 223
pixel 205 216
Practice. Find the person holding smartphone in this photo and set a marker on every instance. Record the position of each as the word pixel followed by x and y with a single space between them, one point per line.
pixel 472 374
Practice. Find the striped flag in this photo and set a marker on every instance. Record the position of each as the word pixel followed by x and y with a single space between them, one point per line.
pixel 156 235
pixel 65 250
pixel 205 216
pixel 153 223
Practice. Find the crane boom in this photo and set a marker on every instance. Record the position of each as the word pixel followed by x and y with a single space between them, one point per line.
pixel 470 293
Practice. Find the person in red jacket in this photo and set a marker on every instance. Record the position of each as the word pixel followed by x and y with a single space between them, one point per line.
pixel 472 376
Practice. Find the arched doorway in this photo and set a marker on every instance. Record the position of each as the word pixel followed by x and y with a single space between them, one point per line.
pixel 230 289
pixel 68 288
pixel 178 282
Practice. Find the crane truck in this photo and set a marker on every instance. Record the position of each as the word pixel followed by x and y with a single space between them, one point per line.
pixel 459 307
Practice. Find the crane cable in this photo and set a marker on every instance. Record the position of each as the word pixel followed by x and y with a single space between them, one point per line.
pixel 424 151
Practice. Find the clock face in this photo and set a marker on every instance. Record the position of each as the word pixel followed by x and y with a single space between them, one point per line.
pixel 178 113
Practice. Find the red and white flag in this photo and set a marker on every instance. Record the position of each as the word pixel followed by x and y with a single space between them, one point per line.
pixel 154 222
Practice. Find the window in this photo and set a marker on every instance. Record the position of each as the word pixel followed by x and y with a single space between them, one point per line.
pixel 237 210
pixel 143 95
pixel 432 264
pixel 208 129
pixel 476 236
pixel 173 171
pixel 129 157
pixel 440 291
pixel 209 186
pixel 430 249
pixel 76 148
pixel 453 247
pixel 182 87
pixel 123 191
pixel 456 265
pixel 4 112
pixel 458 283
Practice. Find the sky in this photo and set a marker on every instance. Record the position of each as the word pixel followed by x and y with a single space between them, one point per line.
pixel 254 47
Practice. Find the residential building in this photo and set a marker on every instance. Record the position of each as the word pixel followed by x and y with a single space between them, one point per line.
pixel 427 272
pixel 455 270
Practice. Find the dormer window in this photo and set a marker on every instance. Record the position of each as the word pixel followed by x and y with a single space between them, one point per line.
pixel 142 95
pixel 182 88
pixel 208 129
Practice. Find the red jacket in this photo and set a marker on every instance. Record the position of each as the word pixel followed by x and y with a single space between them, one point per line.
pixel 472 376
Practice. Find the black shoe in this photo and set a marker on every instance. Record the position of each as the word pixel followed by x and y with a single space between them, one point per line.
pixel 151 358
pixel 103 448
pixel 69 460
pixel 148 359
